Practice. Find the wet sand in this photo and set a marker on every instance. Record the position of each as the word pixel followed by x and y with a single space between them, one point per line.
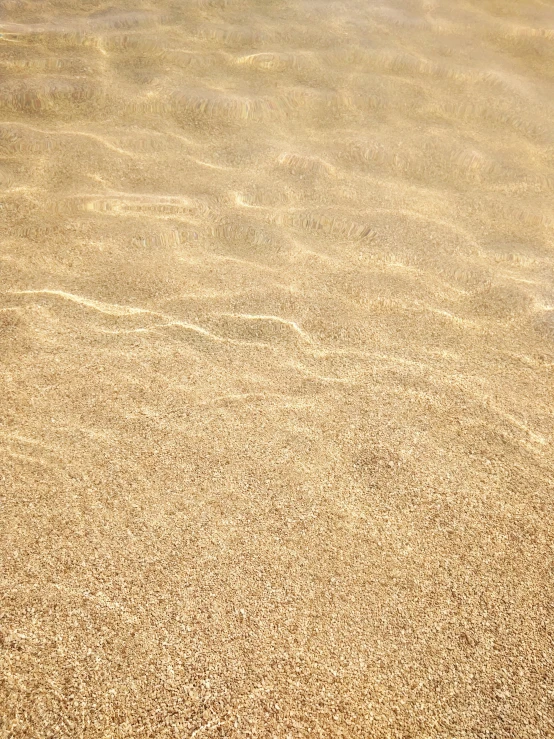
pixel 276 350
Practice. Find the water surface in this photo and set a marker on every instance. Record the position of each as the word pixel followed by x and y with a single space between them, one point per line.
pixel 277 338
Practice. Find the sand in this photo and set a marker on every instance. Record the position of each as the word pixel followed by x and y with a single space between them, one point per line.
pixel 276 348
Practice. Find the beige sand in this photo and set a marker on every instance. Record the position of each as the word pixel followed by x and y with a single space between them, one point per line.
pixel 277 339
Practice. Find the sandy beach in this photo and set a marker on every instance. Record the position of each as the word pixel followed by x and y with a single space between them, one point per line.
pixel 276 358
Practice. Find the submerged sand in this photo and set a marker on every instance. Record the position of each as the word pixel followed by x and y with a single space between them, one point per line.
pixel 276 346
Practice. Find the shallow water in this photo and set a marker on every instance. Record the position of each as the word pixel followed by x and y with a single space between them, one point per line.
pixel 277 338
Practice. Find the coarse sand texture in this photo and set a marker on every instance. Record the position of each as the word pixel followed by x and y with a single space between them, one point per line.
pixel 276 361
